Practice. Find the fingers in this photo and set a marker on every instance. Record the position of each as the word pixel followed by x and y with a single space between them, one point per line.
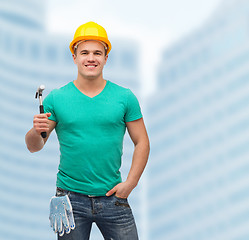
pixel 121 190
pixel 62 232
pixel 55 225
pixel 60 227
pixel 52 221
pixel 112 191
pixel 60 223
pixel 61 215
pixel 69 214
pixel 65 221
pixel 41 122
pixel 71 220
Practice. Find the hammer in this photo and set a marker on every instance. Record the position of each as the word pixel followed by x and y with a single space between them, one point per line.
pixel 39 93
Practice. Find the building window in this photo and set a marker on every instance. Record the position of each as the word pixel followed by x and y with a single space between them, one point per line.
pixel 51 53
pixel 20 47
pixel 7 42
pixel 35 50
pixel 128 60
pixel 67 56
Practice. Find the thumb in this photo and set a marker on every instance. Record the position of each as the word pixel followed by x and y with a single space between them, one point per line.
pixel 111 192
pixel 48 114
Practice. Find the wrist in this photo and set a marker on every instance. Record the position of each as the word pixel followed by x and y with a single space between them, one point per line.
pixel 34 141
pixel 35 133
pixel 131 182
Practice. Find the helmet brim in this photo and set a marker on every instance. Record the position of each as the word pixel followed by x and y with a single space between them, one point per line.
pixel 82 38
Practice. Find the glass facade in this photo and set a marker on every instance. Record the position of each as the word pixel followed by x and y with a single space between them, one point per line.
pixel 198 124
pixel 29 57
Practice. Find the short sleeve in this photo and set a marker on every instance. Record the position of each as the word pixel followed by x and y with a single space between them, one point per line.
pixel 133 110
pixel 48 105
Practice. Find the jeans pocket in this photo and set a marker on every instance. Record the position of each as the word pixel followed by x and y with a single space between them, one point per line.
pixel 119 198
pixel 121 202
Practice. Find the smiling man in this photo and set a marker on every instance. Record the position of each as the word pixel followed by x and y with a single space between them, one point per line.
pixel 90 116
pixel 90 59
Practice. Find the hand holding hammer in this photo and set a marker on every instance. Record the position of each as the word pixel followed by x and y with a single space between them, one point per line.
pixel 39 94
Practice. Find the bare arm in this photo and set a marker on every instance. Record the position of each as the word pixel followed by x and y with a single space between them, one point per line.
pixel 139 136
pixel 33 138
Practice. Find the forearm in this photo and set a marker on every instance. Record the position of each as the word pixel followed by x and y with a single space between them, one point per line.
pixel 139 161
pixel 34 141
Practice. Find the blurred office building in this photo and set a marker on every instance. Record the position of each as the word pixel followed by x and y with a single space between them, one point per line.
pixel 31 56
pixel 198 175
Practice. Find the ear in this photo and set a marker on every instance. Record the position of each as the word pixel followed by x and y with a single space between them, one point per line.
pixel 106 57
pixel 74 58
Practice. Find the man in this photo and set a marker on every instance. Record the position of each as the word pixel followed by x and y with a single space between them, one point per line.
pixel 90 116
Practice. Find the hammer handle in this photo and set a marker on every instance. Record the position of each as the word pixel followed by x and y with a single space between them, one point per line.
pixel 43 134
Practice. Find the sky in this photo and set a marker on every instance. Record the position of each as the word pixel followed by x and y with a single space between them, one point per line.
pixel 156 24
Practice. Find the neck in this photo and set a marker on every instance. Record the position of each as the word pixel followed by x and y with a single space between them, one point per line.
pixel 89 84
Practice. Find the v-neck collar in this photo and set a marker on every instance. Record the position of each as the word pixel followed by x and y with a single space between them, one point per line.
pixel 84 95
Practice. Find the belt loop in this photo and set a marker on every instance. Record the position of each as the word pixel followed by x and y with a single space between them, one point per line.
pixel 61 192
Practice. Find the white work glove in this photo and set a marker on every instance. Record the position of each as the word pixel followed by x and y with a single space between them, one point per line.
pixel 61 215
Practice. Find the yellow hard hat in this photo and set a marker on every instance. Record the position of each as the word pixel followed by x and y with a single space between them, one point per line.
pixel 90 31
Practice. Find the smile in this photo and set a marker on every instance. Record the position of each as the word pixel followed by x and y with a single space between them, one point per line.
pixel 90 65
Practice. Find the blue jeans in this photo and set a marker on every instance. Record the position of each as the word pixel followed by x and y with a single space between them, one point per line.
pixel 112 215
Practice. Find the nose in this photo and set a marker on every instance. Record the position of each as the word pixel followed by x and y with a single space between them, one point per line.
pixel 90 57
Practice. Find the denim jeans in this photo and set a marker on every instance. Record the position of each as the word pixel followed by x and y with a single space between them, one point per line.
pixel 112 215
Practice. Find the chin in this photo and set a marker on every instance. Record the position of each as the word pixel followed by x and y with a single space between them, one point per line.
pixel 91 77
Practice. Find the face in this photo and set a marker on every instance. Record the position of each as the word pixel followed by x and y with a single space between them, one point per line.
pixel 90 59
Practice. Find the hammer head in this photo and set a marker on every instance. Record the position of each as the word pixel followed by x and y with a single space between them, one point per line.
pixel 39 91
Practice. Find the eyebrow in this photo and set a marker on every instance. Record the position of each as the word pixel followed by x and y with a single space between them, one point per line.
pixel 95 51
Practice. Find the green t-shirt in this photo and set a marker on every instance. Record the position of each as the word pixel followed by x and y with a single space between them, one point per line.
pixel 90 132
